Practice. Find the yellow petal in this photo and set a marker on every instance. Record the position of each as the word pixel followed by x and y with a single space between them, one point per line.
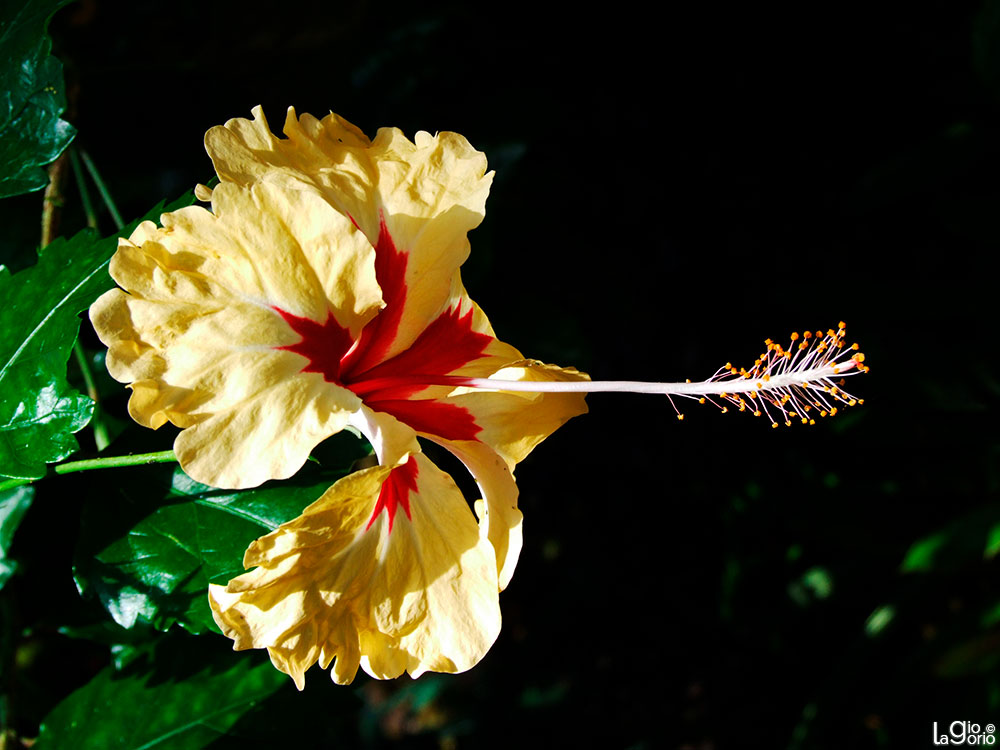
pixel 198 334
pixel 511 425
pixel 337 583
pixel 266 436
pixel 434 192
pixel 499 517
pixel 278 247
pixel 507 425
pixel 415 200
pixel 331 154
pixel 514 423
pixel 392 440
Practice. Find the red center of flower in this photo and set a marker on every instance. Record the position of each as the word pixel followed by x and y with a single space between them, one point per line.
pixel 396 491
pixel 390 384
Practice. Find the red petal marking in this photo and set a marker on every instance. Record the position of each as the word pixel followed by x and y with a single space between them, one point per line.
pixel 323 344
pixel 432 417
pixel 445 345
pixel 378 335
pixel 396 491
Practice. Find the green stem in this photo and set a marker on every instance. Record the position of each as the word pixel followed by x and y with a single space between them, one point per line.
pixel 81 184
pixel 110 462
pixel 88 376
pixel 101 437
pixel 114 462
pixel 102 188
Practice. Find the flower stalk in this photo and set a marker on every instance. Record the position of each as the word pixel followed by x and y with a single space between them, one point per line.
pixel 114 462
pixel 108 462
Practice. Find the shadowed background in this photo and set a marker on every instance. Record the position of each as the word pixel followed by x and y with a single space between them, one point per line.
pixel 669 191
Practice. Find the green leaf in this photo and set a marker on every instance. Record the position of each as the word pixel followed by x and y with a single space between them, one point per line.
pixel 125 645
pixel 13 505
pixel 814 584
pixel 32 98
pixel 879 619
pixel 966 541
pixel 39 322
pixel 150 553
pixel 183 698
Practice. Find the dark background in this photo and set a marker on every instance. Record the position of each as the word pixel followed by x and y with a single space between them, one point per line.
pixel 672 187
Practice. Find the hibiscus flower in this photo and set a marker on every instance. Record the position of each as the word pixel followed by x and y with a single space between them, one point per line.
pixel 322 290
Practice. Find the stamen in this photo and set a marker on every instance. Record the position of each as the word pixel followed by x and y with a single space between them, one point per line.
pixel 791 380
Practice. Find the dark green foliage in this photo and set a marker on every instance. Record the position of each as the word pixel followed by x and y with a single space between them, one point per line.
pixel 32 96
pixel 149 549
pixel 39 410
pixel 182 694
pixel 13 505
